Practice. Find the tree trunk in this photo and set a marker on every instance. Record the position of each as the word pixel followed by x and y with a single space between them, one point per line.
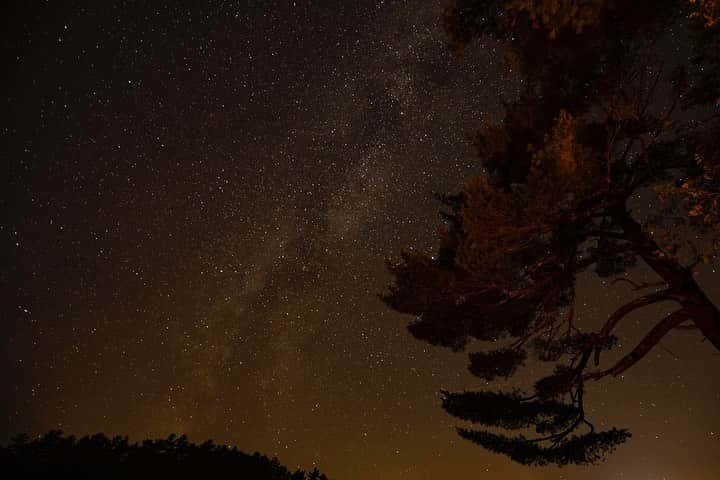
pixel 680 280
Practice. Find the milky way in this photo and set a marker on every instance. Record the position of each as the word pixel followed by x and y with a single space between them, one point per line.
pixel 197 204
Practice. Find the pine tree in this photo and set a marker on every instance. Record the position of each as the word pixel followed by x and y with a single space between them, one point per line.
pixel 605 114
pixel 314 474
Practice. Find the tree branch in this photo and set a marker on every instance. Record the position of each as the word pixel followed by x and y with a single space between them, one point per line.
pixel 646 344
pixel 606 234
pixel 679 279
pixel 638 286
pixel 621 312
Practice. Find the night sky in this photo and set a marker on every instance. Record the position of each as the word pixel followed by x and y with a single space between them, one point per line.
pixel 197 201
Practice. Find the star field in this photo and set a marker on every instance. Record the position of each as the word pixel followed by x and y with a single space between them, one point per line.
pixel 197 204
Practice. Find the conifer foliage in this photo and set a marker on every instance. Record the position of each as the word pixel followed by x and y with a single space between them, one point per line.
pixel 607 111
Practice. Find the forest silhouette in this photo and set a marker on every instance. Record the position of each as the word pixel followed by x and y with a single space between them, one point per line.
pixel 98 456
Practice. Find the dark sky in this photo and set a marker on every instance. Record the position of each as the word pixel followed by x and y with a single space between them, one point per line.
pixel 197 199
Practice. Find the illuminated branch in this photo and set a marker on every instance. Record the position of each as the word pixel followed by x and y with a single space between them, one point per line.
pixel 639 286
pixel 646 344
pixel 693 328
pixel 626 309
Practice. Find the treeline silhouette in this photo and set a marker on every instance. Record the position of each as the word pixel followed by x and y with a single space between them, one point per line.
pixel 98 456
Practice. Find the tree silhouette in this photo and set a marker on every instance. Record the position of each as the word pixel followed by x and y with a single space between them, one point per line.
pixel 606 113
pixel 98 456
pixel 315 474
